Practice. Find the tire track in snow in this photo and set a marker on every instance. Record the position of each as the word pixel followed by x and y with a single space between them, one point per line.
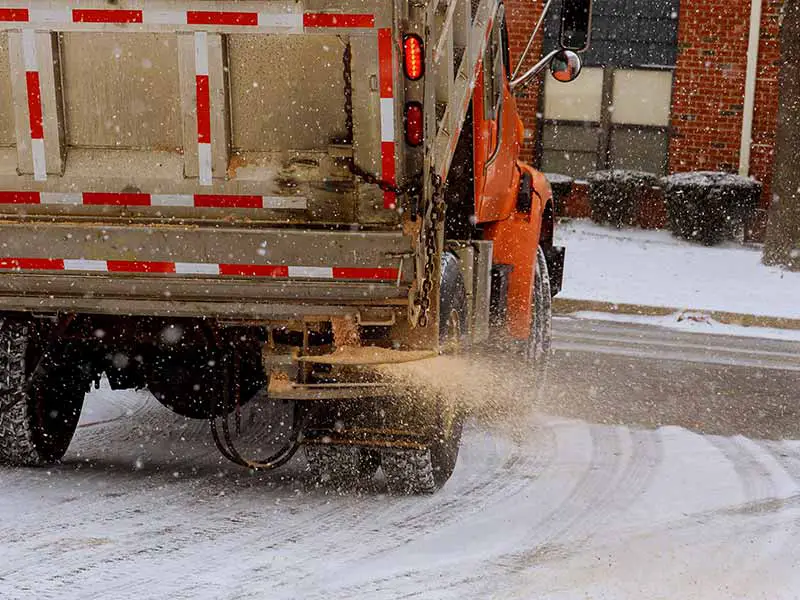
pixel 294 528
pixel 642 459
pixel 157 541
pixel 502 481
pixel 499 475
pixel 617 483
pixel 755 480
pixel 577 475
pixel 749 546
pixel 594 483
pixel 760 537
pixel 786 454
pixel 610 481
pixel 169 538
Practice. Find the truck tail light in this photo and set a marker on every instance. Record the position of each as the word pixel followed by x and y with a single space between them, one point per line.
pixel 413 57
pixel 413 121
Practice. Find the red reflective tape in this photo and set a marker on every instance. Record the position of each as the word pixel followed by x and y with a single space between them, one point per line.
pixel 387 161
pixel 33 264
pixel 16 15
pixel 254 270
pixel 385 61
pixel 338 20
pixel 388 170
pixel 203 110
pixel 20 198
pixel 34 104
pixel 207 17
pixel 386 84
pixel 221 201
pixel 110 199
pixel 98 15
pixel 383 274
pixel 140 266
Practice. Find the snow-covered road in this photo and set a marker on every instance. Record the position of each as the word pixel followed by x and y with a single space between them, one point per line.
pixel 539 507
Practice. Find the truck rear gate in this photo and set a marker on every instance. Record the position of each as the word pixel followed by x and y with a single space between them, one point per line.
pixel 219 273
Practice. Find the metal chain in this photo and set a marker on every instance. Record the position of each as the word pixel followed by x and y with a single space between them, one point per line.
pixel 429 237
pixel 429 233
pixel 368 177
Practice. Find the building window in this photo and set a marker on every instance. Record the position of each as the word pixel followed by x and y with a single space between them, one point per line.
pixel 617 113
pixel 607 119
pixel 570 137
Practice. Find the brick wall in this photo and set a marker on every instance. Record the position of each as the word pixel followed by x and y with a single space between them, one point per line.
pixel 708 93
pixel 708 90
pixel 521 16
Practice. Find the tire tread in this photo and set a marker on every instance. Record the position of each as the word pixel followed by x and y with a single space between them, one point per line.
pixel 17 445
pixel 409 471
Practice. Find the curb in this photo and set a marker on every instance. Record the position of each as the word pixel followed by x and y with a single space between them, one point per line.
pixel 565 306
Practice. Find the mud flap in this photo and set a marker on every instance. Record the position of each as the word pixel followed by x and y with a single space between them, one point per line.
pixel 498 303
pixel 554 255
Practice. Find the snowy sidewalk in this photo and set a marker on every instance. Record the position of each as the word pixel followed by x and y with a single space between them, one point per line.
pixel 646 269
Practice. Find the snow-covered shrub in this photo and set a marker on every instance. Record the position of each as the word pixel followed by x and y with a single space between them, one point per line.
pixel 709 206
pixel 615 195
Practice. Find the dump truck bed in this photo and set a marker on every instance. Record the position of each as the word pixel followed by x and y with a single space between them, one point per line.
pixel 208 158
pixel 198 158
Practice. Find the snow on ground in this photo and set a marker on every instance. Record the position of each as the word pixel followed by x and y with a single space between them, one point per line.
pixel 572 510
pixel 652 268
pixel 542 505
pixel 694 322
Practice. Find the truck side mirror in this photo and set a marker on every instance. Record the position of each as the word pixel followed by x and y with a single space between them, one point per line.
pixel 565 66
pixel 576 24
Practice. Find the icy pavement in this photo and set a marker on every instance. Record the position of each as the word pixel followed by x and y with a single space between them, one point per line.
pixel 690 503
pixel 652 268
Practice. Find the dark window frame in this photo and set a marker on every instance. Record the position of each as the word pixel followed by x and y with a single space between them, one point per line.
pixel 605 125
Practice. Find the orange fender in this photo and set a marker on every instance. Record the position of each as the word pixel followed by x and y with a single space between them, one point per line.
pixel 516 240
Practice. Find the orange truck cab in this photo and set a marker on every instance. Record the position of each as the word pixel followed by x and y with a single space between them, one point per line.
pixel 513 201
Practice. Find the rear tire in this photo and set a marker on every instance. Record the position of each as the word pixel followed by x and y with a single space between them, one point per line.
pixel 37 418
pixel 341 465
pixel 425 470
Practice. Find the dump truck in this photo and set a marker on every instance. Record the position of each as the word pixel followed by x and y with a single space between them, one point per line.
pixel 260 201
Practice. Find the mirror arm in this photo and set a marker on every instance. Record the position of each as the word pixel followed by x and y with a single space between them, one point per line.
pixel 524 79
pixel 539 23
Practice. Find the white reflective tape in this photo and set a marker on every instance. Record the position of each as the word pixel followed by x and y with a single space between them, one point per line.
pixel 70 199
pixel 291 21
pixel 201 53
pixel 204 156
pixel 387 119
pixel 311 272
pixel 285 202
pixel 29 50
pixel 185 200
pixel 46 16
pixel 164 17
pixel 39 164
pixel 196 268
pixel 72 264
